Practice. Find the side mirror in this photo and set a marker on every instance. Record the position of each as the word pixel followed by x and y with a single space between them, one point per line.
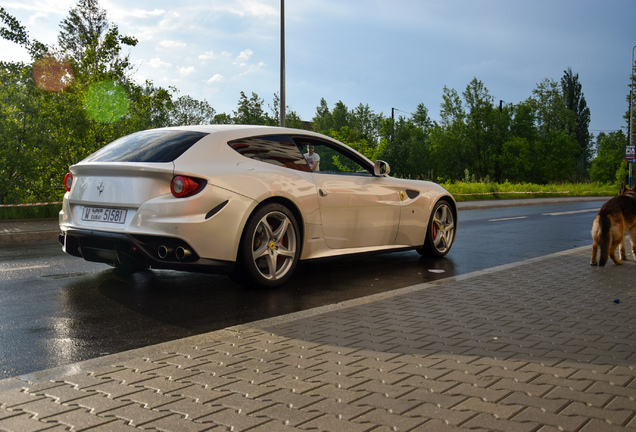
pixel 381 169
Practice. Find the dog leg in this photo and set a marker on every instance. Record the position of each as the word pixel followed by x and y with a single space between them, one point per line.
pixel 622 251
pixel 612 252
pixel 595 242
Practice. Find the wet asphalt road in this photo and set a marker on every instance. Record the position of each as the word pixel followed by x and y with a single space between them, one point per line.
pixel 56 309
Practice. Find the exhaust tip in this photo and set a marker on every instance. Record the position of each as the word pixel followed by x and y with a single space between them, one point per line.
pixel 163 251
pixel 182 253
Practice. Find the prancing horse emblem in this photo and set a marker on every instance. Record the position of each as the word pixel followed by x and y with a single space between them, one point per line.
pixel 100 187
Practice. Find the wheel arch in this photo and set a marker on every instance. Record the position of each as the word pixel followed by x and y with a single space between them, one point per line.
pixel 453 204
pixel 293 208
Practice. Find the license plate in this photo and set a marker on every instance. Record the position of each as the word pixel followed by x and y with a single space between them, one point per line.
pixel 96 214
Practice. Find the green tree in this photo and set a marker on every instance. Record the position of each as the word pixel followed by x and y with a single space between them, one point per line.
pixel 362 145
pixel 561 152
pixel 83 28
pixel 552 121
pixel 517 156
pixel 575 102
pixel 405 146
pixel 486 129
pixel 419 160
pixel 250 111
pixel 448 150
pixel 609 158
pixel 366 122
pixel 293 120
pixel 93 45
pixel 55 105
pixel 516 159
pixel 223 118
pixel 421 118
pixel 322 121
pixel 189 111
pixel 340 116
pixel 549 109
pixel 17 142
pixel 13 31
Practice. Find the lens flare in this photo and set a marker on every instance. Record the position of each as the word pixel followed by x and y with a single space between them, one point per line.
pixel 52 74
pixel 106 101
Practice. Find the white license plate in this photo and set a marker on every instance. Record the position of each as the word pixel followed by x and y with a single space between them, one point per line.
pixel 96 214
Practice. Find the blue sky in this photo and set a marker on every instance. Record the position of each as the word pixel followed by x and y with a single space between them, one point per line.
pixel 387 54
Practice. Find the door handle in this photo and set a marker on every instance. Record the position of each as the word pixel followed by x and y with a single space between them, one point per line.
pixel 323 192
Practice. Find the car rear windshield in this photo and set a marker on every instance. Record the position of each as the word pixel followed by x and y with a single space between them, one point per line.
pixel 153 145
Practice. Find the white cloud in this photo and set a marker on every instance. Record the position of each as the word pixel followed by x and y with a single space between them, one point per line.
pixel 140 13
pixel 215 79
pixel 158 63
pixel 242 59
pixel 208 55
pixel 244 8
pixel 170 44
pixel 145 25
pixel 185 71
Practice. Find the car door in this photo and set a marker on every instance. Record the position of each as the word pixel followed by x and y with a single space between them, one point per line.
pixel 357 209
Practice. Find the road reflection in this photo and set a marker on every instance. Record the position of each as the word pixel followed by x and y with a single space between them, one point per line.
pixel 78 310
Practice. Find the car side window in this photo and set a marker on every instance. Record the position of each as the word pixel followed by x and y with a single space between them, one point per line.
pixel 279 150
pixel 332 160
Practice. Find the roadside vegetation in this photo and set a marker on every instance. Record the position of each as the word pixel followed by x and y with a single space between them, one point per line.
pixel 78 95
pixel 463 191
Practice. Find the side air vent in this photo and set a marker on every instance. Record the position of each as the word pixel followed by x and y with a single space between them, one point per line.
pixel 412 194
pixel 215 210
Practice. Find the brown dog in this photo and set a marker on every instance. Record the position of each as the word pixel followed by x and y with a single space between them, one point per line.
pixel 616 218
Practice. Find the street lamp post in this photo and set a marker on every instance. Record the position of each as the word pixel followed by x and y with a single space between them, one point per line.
pixel 282 63
pixel 631 116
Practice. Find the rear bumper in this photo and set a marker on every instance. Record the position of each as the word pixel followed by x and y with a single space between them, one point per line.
pixel 135 251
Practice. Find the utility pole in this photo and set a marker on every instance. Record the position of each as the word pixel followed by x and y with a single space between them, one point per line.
pixel 631 116
pixel 282 63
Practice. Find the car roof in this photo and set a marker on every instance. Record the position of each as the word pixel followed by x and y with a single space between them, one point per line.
pixel 225 131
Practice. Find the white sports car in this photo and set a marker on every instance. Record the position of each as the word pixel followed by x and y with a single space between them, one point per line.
pixel 244 200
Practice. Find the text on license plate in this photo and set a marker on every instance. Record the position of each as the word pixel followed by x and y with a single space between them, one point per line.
pixel 104 215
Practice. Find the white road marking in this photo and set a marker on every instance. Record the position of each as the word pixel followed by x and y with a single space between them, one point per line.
pixel 510 218
pixel 571 212
pixel 24 268
pixel 548 214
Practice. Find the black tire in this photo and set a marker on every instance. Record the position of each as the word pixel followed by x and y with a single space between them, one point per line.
pixel 440 233
pixel 270 247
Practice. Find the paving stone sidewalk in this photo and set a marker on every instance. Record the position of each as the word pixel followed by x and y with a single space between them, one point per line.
pixel 544 345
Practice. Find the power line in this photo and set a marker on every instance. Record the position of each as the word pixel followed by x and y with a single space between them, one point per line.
pixel 395 109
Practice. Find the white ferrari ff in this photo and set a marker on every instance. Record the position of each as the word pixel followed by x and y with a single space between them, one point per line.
pixel 248 201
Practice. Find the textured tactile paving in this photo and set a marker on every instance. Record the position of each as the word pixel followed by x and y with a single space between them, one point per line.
pixel 539 345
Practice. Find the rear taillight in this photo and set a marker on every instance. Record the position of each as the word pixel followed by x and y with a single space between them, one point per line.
pixel 68 182
pixel 183 186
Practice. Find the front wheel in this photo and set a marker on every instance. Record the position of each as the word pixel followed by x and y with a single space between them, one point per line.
pixel 441 231
pixel 270 247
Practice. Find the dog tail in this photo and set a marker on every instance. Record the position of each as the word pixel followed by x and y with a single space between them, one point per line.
pixel 605 226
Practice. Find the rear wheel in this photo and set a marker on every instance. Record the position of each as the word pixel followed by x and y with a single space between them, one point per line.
pixel 441 231
pixel 270 247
